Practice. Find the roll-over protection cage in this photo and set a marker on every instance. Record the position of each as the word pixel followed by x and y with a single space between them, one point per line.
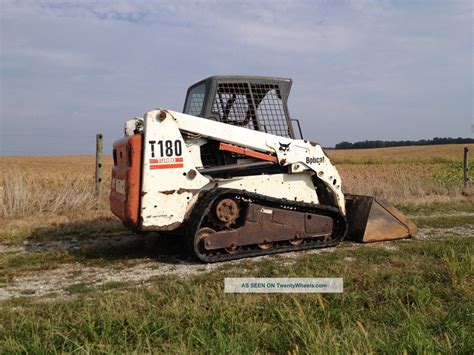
pixel 254 102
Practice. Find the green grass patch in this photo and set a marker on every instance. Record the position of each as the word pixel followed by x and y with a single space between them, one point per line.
pixel 113 285
pixel 417 298
pixel 84 229
pixel 444 221
pixel 13 238
pixel 80 287
pixel 451 174
pixel 11 264
pixel 424 209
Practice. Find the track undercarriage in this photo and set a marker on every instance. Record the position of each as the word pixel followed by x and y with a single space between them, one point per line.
pixel 231 224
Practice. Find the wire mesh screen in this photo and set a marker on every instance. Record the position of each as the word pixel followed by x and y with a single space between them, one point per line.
pixel 233 103
pixel 270 111
pixel 254 106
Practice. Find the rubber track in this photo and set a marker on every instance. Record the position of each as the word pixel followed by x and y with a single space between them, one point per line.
pixel 206 201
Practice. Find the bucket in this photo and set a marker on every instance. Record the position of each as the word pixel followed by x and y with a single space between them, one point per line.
pixel 373 219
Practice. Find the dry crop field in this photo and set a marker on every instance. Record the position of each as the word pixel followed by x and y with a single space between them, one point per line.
pixel 414 175
pixel 73 279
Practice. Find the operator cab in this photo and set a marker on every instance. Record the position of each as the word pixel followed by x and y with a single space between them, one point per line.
pixel 254 102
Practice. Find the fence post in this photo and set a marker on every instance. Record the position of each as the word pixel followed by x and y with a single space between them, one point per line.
pixel 466 166
pixel 99 147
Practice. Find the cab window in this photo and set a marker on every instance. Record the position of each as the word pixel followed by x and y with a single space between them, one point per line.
pixel 195 100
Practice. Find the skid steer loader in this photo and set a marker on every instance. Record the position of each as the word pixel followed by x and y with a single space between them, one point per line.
pixel 231 175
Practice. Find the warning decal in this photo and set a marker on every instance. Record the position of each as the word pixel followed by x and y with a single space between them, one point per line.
pixel 166 163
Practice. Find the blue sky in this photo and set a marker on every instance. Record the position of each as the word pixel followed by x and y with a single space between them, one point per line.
pixel 361 69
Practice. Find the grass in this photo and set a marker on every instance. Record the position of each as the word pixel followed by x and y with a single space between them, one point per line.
pixel 33 261
pixel 22 196
pixel 387 297
pixel 439 207
pixel 80 287
pixel 406 296
pixel 445 221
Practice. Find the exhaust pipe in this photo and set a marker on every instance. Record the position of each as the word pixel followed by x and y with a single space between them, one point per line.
pixel 373 219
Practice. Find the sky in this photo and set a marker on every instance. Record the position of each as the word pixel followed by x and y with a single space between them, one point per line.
pixel 361 69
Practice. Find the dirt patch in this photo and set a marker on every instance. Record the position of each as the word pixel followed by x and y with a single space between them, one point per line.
pixel 428 233
pixel 59 279
pixel 4 294
pixel 55 282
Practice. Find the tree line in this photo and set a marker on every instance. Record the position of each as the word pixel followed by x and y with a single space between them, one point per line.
pixel 386 144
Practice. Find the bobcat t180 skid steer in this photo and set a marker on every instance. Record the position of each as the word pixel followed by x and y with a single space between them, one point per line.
pixel 230 174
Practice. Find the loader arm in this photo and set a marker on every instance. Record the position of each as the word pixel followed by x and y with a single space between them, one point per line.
pixel 298 155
